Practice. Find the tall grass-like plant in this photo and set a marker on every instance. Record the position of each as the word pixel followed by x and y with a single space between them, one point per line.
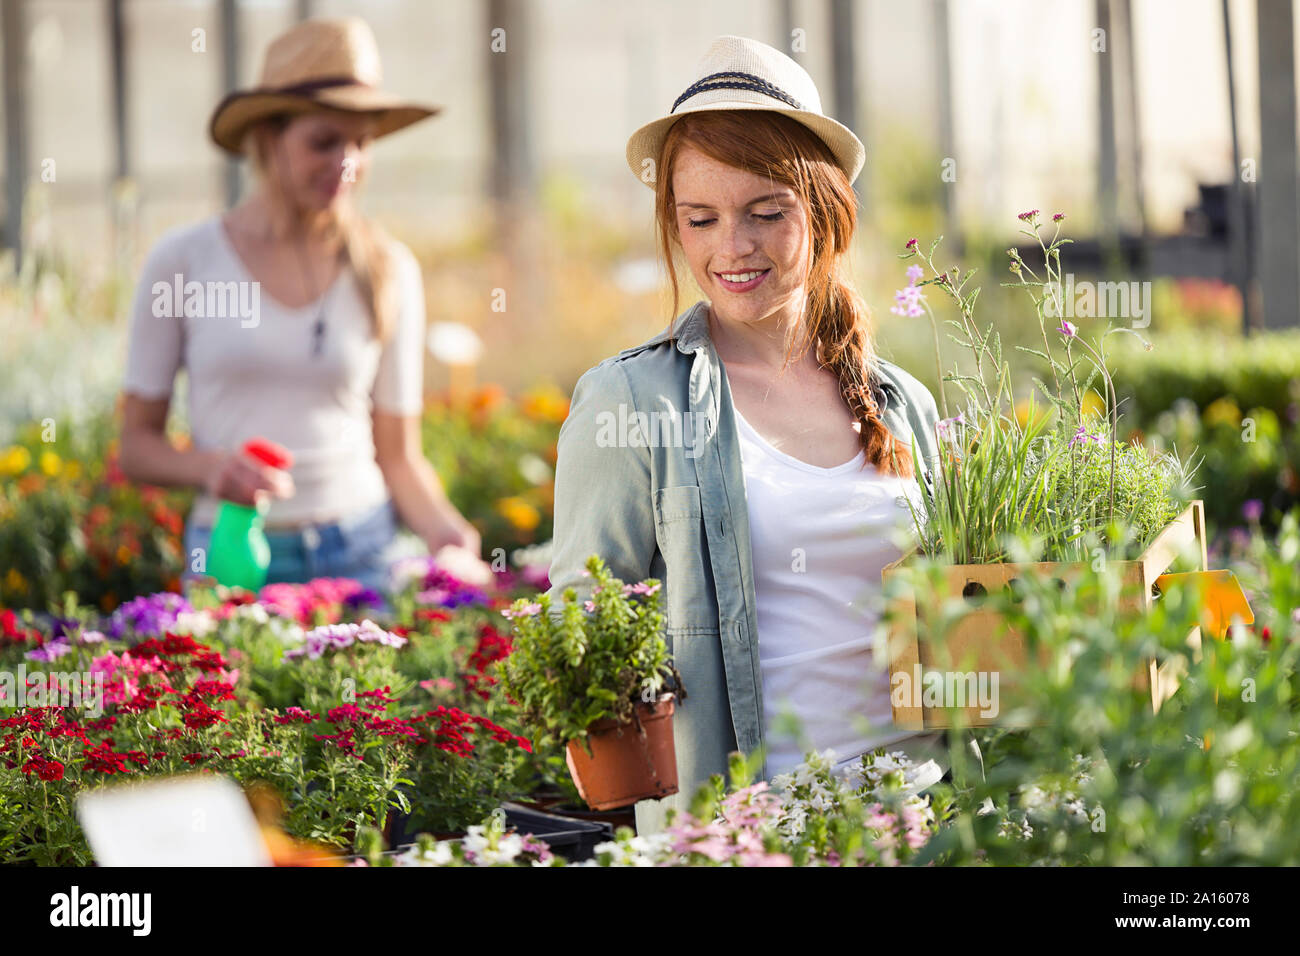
pixel 1007 469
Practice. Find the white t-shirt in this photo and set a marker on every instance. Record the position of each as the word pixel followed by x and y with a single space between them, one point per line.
pixel 820 538
pixel 252 369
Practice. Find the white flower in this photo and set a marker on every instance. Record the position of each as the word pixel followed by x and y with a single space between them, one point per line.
pixel 194 623
pixel 479 849
pixel 632 851
pixel 439 855
pixel 252 612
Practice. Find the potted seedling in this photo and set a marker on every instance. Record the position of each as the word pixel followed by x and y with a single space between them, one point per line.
pixel 596 677
pixel 1058 474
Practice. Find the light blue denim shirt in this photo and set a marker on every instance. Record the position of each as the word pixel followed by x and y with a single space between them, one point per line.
pixel 649 476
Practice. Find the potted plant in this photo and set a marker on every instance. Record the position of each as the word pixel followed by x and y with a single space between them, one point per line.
pixel 596 677
pixel 1009 469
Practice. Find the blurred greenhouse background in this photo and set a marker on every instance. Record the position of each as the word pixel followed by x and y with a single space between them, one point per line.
pixel 1165 131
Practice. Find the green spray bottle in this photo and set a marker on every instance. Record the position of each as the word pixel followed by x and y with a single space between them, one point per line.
pixel 238 552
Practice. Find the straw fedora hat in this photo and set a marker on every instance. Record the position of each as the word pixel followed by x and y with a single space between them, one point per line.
pixel 318 62
pixel 742 74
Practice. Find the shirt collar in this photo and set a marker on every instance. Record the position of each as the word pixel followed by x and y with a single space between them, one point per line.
pixel 692 333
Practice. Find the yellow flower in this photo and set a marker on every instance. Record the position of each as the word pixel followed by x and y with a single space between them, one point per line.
pixel 546 404
pixel 15 460
pixel 1222 411
pixel 1094 406
pixel 51 463
pixel 1025 407
pixel 519 513
pixel 15 582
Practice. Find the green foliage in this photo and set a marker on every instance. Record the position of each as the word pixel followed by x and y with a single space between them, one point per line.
pixel 1236 401
pixel 580 664
pixel 1097 776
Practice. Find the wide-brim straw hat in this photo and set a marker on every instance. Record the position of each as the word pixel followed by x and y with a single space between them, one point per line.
pixel 742 74
pixel 317 63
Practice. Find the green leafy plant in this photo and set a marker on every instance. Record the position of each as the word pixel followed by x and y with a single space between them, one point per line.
pixel 589 660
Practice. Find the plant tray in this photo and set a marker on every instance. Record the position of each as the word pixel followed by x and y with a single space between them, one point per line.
pixel 981 642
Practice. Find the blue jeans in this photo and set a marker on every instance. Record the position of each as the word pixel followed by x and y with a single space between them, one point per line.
pixel 356 547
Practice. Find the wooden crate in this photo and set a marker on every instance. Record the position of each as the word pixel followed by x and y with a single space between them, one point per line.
pixel 980 643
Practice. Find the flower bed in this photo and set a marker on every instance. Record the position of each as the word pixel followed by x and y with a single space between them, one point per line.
pixel 349 720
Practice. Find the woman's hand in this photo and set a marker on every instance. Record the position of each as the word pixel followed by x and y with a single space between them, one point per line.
pixel 237 477
pixel 421 501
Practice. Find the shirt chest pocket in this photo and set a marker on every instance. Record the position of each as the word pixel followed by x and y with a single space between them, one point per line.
pixel 691 604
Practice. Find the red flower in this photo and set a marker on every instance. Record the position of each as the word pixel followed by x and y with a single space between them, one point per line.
pixel 203 716
pixel 46 769
pixel 296 715
pixel 346 714
pixel 214 689
pixel 102 758
pixel 392 728
pixel 344 741
pixel 172 645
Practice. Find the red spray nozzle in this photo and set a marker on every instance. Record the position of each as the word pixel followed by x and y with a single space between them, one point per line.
pixel 268 453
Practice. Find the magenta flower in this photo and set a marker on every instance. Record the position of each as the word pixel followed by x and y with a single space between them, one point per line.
pixel 1068 329
pixel 1252 511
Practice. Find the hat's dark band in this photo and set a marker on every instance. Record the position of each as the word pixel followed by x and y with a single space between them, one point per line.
pixel 734 80
pixel 310 86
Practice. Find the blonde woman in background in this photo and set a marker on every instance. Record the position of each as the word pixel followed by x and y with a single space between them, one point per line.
pixel 308 330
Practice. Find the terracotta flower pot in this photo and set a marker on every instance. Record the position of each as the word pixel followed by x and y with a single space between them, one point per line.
pixel 625 765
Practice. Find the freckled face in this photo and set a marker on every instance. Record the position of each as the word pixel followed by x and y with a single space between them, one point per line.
pixel 744 236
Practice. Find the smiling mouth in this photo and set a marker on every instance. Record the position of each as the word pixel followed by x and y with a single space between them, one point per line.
pixel 742 281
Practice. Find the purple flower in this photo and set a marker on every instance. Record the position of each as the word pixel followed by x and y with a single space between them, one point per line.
pixel 1081 437
pixel 148 616
pixel 321 639
pixel 1253 510
pixel 907 302
pixel 64 627
pixel 50 650
pixel 446 590
pixel 366 597
pixel 1068 329
pixel 947 427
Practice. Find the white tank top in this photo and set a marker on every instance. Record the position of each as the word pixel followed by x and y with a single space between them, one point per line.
pixel 820 537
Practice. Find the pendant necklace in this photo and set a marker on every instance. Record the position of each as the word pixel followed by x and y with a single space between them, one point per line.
pixel 318 327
